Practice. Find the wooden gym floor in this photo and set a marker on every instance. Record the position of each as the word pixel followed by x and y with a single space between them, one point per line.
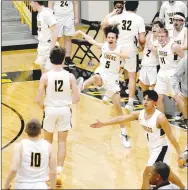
pixel 95 158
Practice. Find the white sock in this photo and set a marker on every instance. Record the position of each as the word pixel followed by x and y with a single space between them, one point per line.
pixel 59 169
pixel 131 100
pixel 123 131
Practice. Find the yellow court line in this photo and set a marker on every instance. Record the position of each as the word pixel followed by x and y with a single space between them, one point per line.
pixel 3 74
pixel 5 80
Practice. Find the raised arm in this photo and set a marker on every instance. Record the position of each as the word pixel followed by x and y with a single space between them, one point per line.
pixel 89 39
pixel 116 120
pixel 164 124
pixel 14 165
pixel 177 50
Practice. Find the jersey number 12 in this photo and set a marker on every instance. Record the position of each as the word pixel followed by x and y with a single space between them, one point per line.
pixel 35 159
pixel 58 85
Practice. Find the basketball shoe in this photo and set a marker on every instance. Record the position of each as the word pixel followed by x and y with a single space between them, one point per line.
pixel 126 141
pixel 106 100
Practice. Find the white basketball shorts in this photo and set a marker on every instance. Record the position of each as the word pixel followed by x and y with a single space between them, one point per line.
pixel 157 155
pixel 57 117
pixel 65 25
pixel 164 82
pixel 131 63
pixel 110 82
pixel 34 185
pixel 148 75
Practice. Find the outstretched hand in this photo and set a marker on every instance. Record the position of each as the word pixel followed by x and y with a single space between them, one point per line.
pixel 98 124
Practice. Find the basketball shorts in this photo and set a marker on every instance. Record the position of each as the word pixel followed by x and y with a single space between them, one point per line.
pixel 34 185
pixel 65 25
pixel 130 64
pixel 157 155
pixel 110 82
pixel 148 75
pixel 57 118
pixel 164 82
pixel 43 56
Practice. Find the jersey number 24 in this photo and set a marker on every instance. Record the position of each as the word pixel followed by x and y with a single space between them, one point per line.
pixel 63 4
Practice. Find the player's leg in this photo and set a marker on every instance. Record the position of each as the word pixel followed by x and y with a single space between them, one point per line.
pixel 143 86
pixel 69 31
pixel 144 83
pixel 63 126
pixel 145 178
pixel 116 102
pixel 93 80
pixel 173 178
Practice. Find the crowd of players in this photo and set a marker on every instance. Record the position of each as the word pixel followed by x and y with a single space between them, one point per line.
pixel 165 46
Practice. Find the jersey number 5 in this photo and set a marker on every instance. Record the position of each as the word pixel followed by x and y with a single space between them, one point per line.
pixel 126 25
pixel 58 85
pixel 35 159
pixel 64 3
pixel 107 64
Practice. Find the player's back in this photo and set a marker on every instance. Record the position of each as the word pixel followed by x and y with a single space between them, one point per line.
pixel 34 161
pixel 63 8
pixel 58 91
pixel 130 26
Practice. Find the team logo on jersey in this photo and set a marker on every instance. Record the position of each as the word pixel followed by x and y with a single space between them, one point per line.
pixel 162 53
pixel 109 57
pixel 146 128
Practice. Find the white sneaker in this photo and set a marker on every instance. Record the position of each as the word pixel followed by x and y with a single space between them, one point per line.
pixel 129 106
pixel 126 141
pixel 106 100
pixel 80 82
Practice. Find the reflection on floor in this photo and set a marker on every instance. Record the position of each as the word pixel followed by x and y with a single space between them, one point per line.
pixel 33 75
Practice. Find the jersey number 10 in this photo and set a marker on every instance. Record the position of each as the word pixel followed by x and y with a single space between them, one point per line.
pixel 35 159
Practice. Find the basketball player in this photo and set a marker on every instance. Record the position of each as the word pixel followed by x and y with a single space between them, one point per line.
pixel 159 176
pixel 66 13
pixel 167 53
pixel 148 72
pixel 107 74
pixel 31 159
pixel 156 128
pixel 180 76
pixel 61 92
pixel 130 26
pixel 47 34
pixel 167 12
pixel 180 31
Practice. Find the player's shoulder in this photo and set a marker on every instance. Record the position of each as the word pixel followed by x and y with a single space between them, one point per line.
pixel 47 11
pixel 165 4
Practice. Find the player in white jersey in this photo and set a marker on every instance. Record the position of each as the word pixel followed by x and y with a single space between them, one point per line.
pixel 107 74
pixel 167 52
pixel 131 26
pixel 148 72
pixel 180 31
pixel 159 175
pixel 47 34
pixel 157 130
pixel 66 13
pixel 167 12
pixel 61 92
pixel 32 157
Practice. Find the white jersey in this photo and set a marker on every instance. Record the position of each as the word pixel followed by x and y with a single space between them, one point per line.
pixel 63 8
pixel 156 137
pixel 149 58
pixel 168 11
pixel 180 38
pixel 45 19
pixel 34 161
pixel 130 25
pixel 167 59
pixel 168 186
pixel 110 62
pixel 58 91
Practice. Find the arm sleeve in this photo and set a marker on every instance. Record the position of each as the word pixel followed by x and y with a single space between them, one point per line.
pixel 178 75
